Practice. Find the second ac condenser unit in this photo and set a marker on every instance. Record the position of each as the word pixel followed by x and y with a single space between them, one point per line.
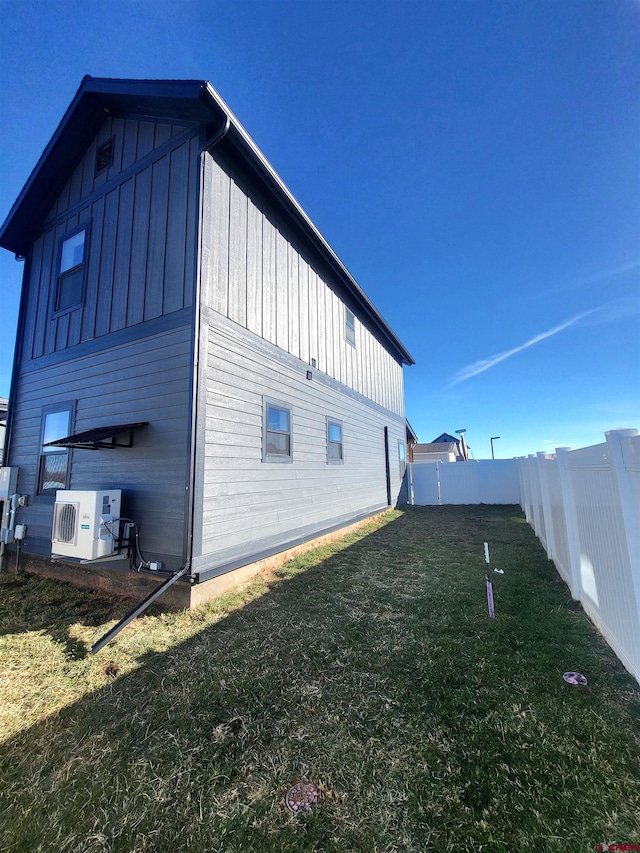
pixel 85 524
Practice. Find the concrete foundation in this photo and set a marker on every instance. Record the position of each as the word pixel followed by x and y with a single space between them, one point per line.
pixel 119 580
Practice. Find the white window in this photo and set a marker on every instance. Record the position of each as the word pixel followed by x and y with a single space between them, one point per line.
pixel 334 442
pixel 402 458
pixel 277 445
pixel 70 281
pixel 350 326
pixel 53 467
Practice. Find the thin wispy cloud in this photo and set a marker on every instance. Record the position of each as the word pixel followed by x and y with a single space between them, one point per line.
pixel 617 309
pixel 487 363
pixel 599 277
pixel 613 272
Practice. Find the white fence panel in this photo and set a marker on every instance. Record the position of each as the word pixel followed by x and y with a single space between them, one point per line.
pixel 585 507
pixel 485 481
pixel 499 481
pixel 460 483
pixel 557 523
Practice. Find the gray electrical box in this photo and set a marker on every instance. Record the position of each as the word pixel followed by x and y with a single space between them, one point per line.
pixel 8 483
pixel 8 486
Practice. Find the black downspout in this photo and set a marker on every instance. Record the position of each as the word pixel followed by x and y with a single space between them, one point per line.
pixel 17 355
pixel 386 464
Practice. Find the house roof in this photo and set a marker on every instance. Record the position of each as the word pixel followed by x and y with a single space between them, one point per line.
pixel 445 438
pixel 177 100
pixel 436 447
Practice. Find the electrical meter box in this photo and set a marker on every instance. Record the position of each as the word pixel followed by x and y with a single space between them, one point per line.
pixel 8 483
pixel 8 487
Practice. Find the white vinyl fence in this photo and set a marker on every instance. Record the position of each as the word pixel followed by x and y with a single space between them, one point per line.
pixel 584 506
pixel 485 481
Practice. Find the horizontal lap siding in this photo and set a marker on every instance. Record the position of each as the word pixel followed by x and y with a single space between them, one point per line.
pixel 147 380
pixel 140 256
pixel 256 273
pixel 247 504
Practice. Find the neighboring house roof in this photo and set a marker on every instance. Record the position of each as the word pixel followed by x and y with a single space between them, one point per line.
pixel 462 446
pixel 445 438
pixel 436 447
pixel 177 100
pixel 4 408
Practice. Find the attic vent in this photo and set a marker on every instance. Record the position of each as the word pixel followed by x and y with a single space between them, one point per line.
pixel 104 157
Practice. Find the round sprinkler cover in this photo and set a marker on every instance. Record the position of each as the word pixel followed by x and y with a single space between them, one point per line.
pixel 575 678
pixel 302 797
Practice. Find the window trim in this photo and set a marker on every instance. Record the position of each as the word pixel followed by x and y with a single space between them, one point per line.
pixel 349 328
pixel 58 276
pixel 336 422
pixel 284 407
pixel 68 406
pixel 402 457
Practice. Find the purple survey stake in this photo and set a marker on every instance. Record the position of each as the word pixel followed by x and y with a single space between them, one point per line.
pixel 492 611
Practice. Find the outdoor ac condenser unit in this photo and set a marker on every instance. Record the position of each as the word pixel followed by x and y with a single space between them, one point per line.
pixel 85 524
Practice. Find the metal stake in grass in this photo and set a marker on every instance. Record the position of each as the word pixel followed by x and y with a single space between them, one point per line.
pixel 489 584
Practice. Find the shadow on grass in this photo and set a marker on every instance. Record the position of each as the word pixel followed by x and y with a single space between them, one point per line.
pixel 33 603
pixel 374 673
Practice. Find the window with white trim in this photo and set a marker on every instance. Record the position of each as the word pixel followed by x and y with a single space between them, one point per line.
pixel 402 459
pixel 277 444
pixel 53 464
pixel 71 269
pixel 335 455
pixel 350 326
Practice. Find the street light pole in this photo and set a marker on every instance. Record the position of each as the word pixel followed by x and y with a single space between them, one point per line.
pixel 493 438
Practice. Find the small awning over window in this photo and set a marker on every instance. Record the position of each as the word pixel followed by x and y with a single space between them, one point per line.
pixel 100 437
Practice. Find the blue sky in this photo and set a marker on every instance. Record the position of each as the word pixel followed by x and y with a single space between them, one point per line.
pixel 474 163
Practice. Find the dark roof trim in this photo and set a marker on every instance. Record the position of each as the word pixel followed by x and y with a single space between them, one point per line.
pixel 412 435
pixel 177 100
pixel 98 438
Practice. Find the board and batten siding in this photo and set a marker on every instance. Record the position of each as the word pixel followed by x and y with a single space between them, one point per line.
pixel 256 273
pixel 147 379
pixel 244 505
pixel 141 216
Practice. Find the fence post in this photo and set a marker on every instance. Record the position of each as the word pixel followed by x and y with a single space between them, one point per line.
pixel 629 500
pixel 571 520
pixel 521 479
pixel 549 533
pixel 528 493
pixel 534 469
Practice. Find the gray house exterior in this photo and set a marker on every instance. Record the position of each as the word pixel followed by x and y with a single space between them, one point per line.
pixel 173 284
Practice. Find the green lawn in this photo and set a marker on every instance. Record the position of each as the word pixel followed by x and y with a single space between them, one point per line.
pixel 369 668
